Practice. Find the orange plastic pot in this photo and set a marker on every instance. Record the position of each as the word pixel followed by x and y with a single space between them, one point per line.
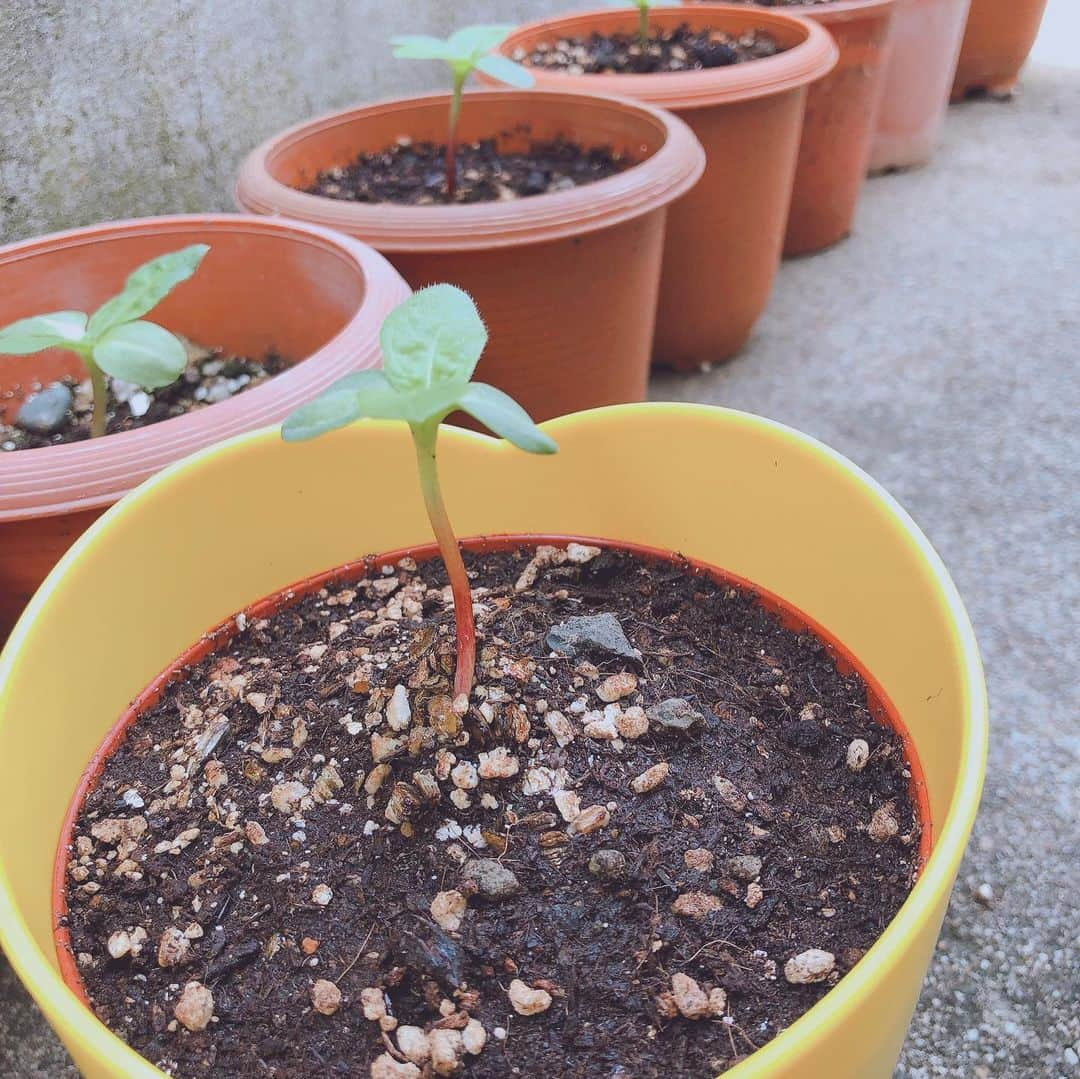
pixel 998 38
pixel 317 298
pixel 567 281
pixel 922 64
pixel 725 237
pixel 217 639
pixel 841 116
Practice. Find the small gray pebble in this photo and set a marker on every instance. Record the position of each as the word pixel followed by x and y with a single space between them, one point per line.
pixel 492 879
pixel 675 714
pixel 44 413
pixel 596 632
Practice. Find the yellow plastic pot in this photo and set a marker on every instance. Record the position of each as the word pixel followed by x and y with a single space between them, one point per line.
pixel 233 523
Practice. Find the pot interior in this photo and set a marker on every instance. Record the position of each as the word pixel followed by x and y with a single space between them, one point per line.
pixel 260 288
pixel 513 119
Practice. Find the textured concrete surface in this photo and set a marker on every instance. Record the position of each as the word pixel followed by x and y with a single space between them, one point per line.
pixel 191 86
pixel 938 348
pixel 1058 43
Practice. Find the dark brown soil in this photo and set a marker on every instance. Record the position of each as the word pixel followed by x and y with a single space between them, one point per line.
pixel 243 828
pixel 414 173
pixel 211 376
pixel 680 49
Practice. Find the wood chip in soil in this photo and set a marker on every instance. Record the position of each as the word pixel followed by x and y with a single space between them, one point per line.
pixel 306 860
pixel 414 173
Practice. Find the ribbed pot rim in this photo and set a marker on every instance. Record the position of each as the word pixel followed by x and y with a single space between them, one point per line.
pixel 810 59
pixel 93 474
pixel 653 183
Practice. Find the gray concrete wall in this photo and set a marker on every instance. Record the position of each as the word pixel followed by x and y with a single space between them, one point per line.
pixel 123 108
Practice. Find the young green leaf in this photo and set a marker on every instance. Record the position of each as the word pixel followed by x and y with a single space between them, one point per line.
pixel 146 288
pixel 431 344
pixel 435 337
pixel 61 328
pixel 141 352
pixel 500 413
pixel 463 52
pixel 359 395
pixel 506 70
pixel 421 47
pixel 474 41
pixel 113 340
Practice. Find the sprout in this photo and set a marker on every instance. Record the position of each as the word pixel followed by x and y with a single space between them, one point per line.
pixel 115 340
pixel 464 51
pixel 431 344
pixel 644 6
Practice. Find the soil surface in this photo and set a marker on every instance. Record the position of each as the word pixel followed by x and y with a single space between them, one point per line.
pixel 414 173
pixel 680 49
pixel 647 844
pixel 211 376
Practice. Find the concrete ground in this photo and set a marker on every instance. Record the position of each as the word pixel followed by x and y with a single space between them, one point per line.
pixel 938 348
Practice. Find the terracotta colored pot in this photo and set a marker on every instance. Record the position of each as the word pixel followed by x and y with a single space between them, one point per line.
pixel 217 639
pixel 725 237
pixel 304 291
pixel 841 116
pixel 997 41
pixel 567 282
pixel 926 46
pixel 870 576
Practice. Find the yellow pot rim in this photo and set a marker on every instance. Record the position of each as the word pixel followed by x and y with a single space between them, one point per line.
pixel 65 1011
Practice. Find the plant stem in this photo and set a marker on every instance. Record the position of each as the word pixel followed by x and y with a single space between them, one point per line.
pixel 643 24
pixel 425 436
pixel 101 397
pixel 451 138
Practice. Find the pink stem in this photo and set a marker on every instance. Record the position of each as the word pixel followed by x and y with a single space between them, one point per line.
pixel 425 437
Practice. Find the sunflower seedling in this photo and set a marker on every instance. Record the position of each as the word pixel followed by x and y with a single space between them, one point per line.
pixel 463 52
pixel 431 344
pixel 115 340
pixel 644 7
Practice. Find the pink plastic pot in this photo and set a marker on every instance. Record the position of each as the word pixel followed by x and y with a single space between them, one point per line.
pixel 925 49
pixel 316 297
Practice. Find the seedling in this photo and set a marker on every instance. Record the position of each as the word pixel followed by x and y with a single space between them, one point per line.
pixel 115 340
pixel 431 344
pixel 464 52
pixel 644 7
